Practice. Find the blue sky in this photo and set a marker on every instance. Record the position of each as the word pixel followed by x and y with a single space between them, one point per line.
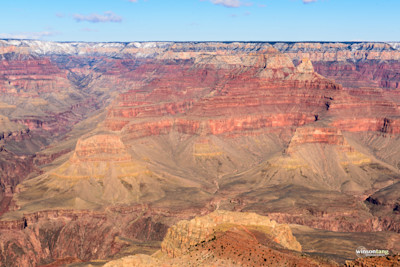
pixel 201 20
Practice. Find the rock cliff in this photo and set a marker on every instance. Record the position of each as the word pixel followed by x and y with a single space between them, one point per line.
pixel 186 234
pixel 351 64
pixel 226 238
pixel 305 133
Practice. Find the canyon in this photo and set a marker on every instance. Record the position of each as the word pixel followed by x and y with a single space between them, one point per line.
pixel 150 152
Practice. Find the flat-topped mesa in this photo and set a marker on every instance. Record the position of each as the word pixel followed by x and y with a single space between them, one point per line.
pixel 100 148
pixel 100 172
pixel 319 135
pixel 322 135
pixel 185 234
pixel 99 157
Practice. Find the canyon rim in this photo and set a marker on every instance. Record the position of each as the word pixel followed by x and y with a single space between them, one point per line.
pixel 199 153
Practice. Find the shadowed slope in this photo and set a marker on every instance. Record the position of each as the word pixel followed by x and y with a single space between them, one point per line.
pixel 197 127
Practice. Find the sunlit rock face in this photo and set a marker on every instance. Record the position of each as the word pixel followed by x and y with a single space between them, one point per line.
pixel 240 92
pixel 185 234
pixel 124 140
pixel 226 238
pixel 100 148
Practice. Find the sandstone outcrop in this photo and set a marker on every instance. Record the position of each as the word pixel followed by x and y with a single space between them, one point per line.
pixel 226 238
pixel 186 234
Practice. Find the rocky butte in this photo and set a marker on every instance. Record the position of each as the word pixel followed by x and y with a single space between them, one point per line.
pixel 198 153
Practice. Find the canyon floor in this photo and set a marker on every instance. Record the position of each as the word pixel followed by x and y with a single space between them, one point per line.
pixel 199 154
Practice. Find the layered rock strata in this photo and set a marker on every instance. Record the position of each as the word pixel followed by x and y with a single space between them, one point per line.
pixel 186 234
pixel 238 239
pixel 304 132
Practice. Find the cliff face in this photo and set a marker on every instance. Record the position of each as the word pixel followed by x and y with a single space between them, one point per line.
pixel 256 87
pixel 100 148
pixel 226 238
pixel 186 234
pixel 306 135
pixel 351 64
pixel 13 170
pixel 13 167
pixel 64 234
pixel 304 132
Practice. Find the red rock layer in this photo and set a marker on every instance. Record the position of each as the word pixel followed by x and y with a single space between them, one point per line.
pixel 243 98
pixel 196 89
pixel 306 135
pixel 149 110
pixel 100 148
pixel 384 125
pixel 351 64
pixel 32 76
pixel 365 73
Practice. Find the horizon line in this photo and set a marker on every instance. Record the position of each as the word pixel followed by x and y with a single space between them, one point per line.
pixel 189 41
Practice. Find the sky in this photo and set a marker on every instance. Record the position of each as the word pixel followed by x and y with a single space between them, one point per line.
pixel 200 20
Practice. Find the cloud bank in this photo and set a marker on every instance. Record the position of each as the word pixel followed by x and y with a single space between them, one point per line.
pixel 108 16
pixel 227 3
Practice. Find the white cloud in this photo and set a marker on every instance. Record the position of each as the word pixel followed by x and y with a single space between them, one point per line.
pixel 108 16
pixel 89 30
pixel 28 35
pixel 309 1
pixel 227 3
